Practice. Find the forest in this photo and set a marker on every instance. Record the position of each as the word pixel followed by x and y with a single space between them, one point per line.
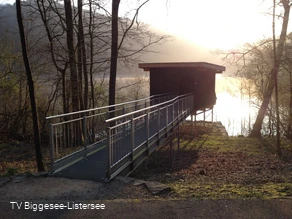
pixel 58 89
pixel 57 58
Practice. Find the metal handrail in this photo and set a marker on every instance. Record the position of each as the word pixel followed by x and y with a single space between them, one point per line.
pixel 105 107
pixel 147 108
pixel 124 148
pixel 69 137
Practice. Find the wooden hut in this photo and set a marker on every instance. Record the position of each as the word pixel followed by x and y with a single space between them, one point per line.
pixel 183 78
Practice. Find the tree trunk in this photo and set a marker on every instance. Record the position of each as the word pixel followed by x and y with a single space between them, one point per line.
pixel 80 84
pixel 92 90
pixel 37 141
pixel 83 53
pixel 91 56
pixel 276 86
pixel 256 131
pixel 114 56
pixel 72 58
pixel 289 134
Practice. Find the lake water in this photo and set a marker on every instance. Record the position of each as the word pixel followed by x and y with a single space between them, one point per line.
pixel 232 108
pixel 236 114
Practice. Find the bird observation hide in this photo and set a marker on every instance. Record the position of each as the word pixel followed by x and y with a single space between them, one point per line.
pixel 183 78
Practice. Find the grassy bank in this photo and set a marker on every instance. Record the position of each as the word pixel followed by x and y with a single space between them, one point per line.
pixel 211 165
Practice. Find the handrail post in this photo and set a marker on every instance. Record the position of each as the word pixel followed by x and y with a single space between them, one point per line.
pixel 109 149
pixel 212 114
pixel 204 116
pixel 147 133
pixel 185 104
pixel 173 116
pixel 158 122
pixel 136 106
pixel 124 110
pixel 52 151
pixel 133 138
pixel 178 140
pixel 85 132
pixel 166 116
pixel 178 109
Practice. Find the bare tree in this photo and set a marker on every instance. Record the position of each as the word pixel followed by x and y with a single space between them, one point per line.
pixel 77 44
pixel 71 53
pixel 37 141
pixel 287 65
pixel 133 40
pixel 276 83
pixel 114 55
pixel 256 131
pixel 82 52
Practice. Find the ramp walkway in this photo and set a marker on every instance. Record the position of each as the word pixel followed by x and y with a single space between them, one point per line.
pixel 91 145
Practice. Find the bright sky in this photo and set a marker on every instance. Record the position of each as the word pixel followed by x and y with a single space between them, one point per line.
pixel 213 24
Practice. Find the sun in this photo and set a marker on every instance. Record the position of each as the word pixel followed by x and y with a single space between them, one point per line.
pixel 225 24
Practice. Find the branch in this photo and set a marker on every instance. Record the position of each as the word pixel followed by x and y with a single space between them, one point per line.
pixel 132 23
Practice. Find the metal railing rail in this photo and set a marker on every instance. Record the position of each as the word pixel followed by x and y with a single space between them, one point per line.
pixel 147 108
pixel 74 135
pixel 122 105
pixel 134 133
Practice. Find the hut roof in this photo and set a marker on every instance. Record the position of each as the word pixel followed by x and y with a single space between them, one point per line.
pixel 196 65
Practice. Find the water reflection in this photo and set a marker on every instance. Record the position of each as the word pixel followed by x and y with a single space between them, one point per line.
pixel 235 113
pixel 233 108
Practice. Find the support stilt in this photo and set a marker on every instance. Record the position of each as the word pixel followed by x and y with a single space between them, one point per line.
pixel 204 116
pixel 178 142
pixel 193 126
pixel 171 151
